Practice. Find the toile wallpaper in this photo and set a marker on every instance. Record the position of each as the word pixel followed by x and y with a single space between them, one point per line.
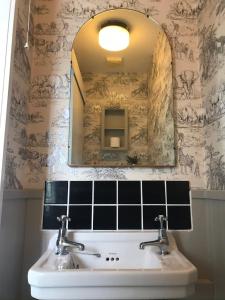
pixel 115 90
pixel 39 116
pixel 212 68
pixel 19 116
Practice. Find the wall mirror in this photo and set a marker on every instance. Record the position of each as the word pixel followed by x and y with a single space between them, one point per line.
pixel 121 108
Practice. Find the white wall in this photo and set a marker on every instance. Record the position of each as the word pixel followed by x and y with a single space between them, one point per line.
pixel 205 246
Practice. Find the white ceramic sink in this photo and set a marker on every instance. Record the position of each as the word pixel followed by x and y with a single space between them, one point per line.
pixel 122 272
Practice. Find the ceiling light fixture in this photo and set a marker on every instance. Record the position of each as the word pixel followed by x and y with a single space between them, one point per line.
pixel 114 37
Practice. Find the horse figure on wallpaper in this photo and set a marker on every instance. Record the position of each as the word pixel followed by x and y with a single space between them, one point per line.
pixel 185 161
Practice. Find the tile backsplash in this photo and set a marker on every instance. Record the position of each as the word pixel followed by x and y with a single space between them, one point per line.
pixel 117 205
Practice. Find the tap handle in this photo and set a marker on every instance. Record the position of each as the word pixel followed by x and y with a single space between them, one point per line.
pixel 161 219
pixel 63 219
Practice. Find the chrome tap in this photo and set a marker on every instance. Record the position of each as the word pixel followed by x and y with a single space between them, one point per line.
pixel 162 242
pixel 63 243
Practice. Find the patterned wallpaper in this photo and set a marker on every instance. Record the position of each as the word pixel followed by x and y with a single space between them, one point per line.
pixel 115 90
pixel 38 141
pixel 19 116
pixel 212 67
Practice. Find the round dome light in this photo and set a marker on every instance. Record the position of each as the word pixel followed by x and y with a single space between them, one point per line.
pixel 113 38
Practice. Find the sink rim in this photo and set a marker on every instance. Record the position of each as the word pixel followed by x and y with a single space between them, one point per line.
pixel 44 277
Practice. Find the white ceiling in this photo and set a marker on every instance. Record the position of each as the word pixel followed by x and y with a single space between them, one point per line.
pixel 136 58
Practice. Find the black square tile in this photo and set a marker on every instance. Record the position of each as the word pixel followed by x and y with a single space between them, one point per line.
pixel 50 214
pixel 80 192
pixel 178 192
pixel 149 215
pixel 153 192
pixel 104 218
pixel 179 217
pixel 56 192
pixel 80 217
pixel 129 192
pixel 105 192
pixel 129 217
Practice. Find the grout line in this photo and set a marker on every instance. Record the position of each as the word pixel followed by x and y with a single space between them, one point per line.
pixel 50 204
pixel 114 204
pixel 117 205
pixel 165 184
pixel 85 204
pixel 142 210
pixel 68 200
pixel 92 206
pixel 124 204
pixel 178 205
pixel 152 204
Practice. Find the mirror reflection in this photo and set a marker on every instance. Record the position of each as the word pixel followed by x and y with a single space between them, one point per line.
pixel 121 109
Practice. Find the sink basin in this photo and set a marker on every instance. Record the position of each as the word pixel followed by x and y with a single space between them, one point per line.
pixel 117 270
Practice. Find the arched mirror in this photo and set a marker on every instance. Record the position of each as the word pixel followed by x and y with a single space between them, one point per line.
pixel 121 109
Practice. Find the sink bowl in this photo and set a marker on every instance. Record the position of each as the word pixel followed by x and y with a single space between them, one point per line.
pixel 113 267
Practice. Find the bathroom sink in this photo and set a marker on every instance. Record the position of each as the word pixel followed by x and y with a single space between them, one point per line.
pixel 113 267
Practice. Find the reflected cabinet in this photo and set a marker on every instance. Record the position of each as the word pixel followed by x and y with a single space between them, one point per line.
pixel 114 129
